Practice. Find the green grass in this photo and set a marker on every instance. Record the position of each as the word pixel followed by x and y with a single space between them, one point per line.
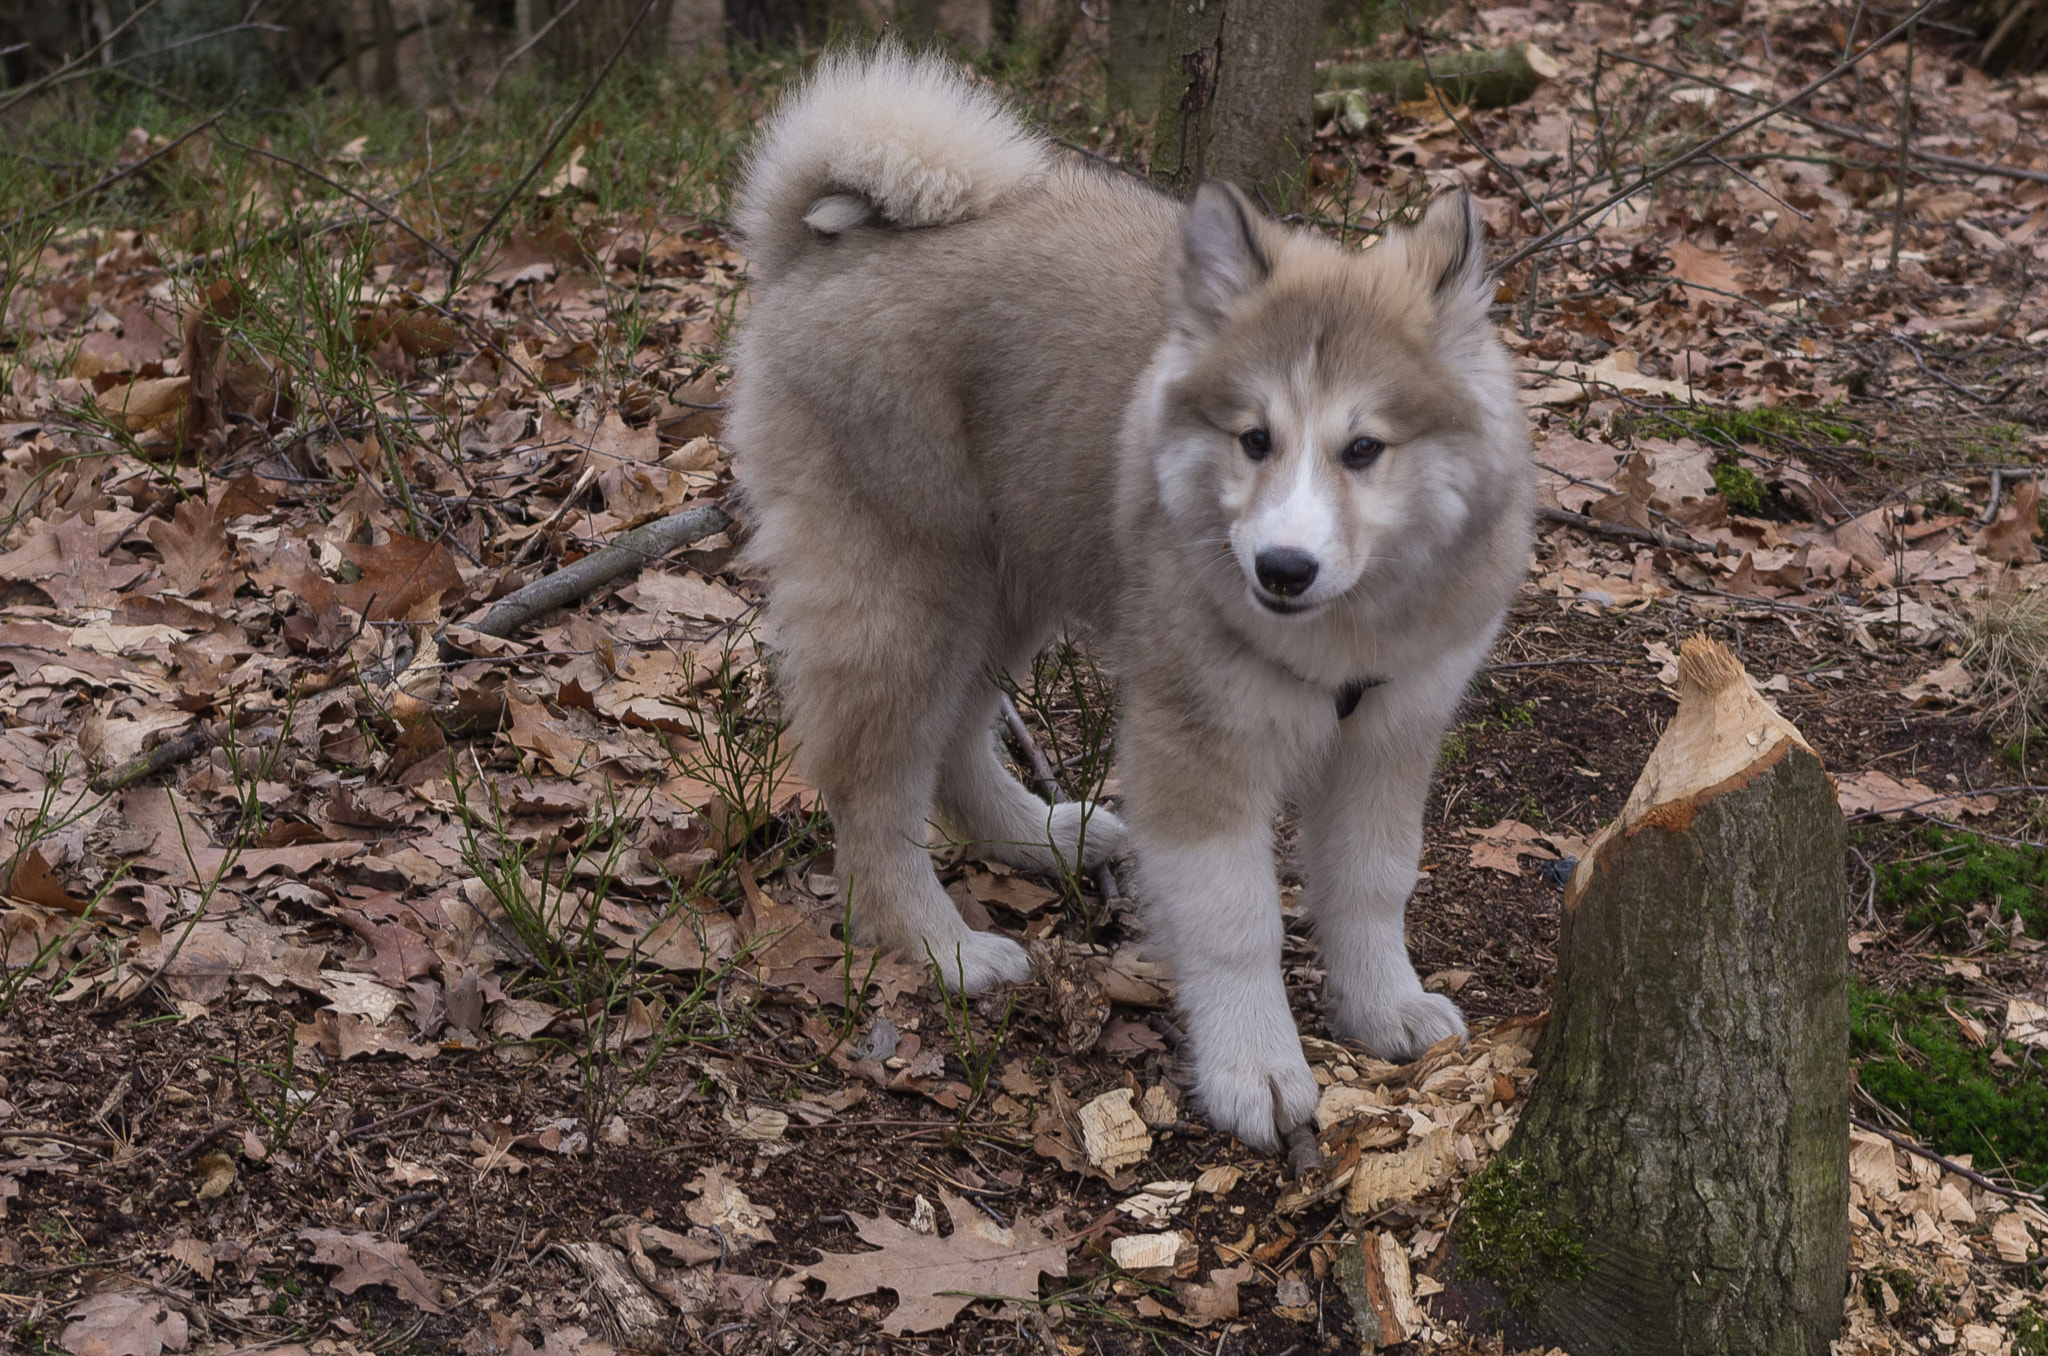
pixel 1912 1056
pixel 1967 889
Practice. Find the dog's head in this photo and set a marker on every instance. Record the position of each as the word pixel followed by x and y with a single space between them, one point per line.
pixel 1331 416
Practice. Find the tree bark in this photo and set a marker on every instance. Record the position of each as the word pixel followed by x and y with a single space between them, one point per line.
pixel 1689 1123
pixel 1235 95
pixel 1137 52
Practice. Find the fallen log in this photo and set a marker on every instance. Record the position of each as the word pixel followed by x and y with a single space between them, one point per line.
pixel 1679 1181
pixel 1492 78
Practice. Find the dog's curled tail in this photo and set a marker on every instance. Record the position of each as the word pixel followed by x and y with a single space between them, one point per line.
pixel 879 135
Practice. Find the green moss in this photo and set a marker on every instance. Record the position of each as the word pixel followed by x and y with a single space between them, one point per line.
pixel 2029 1333
pixel 1904 1286
pixel 1912 1056
pixel 1959 872
pixel 1739 486
pixel 1725 427
pixel 1509 1234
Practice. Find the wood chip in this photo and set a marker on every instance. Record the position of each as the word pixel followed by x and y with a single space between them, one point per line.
pixel 1142 1252
pixel 1112 1131
pixel 1405 1175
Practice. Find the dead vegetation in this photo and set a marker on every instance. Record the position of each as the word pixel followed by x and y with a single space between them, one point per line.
pixel 460 987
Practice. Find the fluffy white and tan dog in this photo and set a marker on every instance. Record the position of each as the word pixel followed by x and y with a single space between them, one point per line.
pixel 987 393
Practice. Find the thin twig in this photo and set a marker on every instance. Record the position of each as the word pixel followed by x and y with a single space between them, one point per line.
pixel 396 1117
pixel 1864 815
pixel 1628 531
pixel 34 87
pixel 381 211
pixel 1948 1164
pixel 82 194
pixel 1953 162
pixel 521 50
pixel 1683 159
pixel 568 121
pixel 1905 148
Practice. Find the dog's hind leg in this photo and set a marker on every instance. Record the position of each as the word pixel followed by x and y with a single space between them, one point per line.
pixel 991 808
pixel 880 652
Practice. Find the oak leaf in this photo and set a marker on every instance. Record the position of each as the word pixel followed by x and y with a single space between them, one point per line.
pixel 123 1325
pixel 365 1259
pixel 936 1277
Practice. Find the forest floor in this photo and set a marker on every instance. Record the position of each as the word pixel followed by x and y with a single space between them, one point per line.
pixel 461 993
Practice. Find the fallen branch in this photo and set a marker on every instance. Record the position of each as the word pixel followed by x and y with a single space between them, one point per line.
pixel 627 553
pixel 1628 531
pixel 168 754
pixel 1947 1164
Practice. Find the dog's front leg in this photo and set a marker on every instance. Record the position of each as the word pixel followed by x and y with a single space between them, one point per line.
pixel 1203 826
pixel 1362 840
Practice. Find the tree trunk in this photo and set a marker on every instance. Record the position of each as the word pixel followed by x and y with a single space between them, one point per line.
pixel 1687 1140
pixel 1137 50
pixel 1235 95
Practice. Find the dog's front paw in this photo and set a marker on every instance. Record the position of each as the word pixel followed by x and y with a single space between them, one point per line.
pixel 1402 1028
pixel 980 961
pixel 1255 1090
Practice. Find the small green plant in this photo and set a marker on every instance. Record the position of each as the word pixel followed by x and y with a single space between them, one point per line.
pixel 976 1055
pixel 553 925
pixel 272 1091
pixel 1512 1235
pixel 1739 486
pixel 1074 705
pixel 1913 1055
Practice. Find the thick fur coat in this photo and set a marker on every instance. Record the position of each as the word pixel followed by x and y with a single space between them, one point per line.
pixel 987 394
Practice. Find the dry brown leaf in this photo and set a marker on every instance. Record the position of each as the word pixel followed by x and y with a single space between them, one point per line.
pixel 722 1205
pixel 1889 797
pixel 403 578
pixel 1501 847
pixel 365 1259
pixel 124 1325
pixel 936 1277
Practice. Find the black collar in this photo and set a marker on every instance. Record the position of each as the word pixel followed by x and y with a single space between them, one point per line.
pixel 1348 695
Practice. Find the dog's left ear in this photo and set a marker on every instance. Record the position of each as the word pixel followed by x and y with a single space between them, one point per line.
pixel 1447 250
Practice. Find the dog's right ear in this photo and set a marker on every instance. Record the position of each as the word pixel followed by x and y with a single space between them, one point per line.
pixel 1222 255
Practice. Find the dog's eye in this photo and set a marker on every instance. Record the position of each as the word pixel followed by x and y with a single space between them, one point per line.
pixel 1363 452
pixel 1256 443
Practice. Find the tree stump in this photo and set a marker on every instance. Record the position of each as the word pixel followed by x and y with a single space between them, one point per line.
pixel 1679 1182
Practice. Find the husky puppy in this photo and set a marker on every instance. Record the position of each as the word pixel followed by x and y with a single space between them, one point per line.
pixel 985 394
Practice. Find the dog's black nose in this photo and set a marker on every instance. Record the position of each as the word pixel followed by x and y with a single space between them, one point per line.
pixel 1285 572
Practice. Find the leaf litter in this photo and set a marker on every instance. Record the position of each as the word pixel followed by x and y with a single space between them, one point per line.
pixel 399 828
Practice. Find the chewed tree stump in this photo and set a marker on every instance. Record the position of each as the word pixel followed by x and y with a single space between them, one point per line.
pixel 1679 1182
